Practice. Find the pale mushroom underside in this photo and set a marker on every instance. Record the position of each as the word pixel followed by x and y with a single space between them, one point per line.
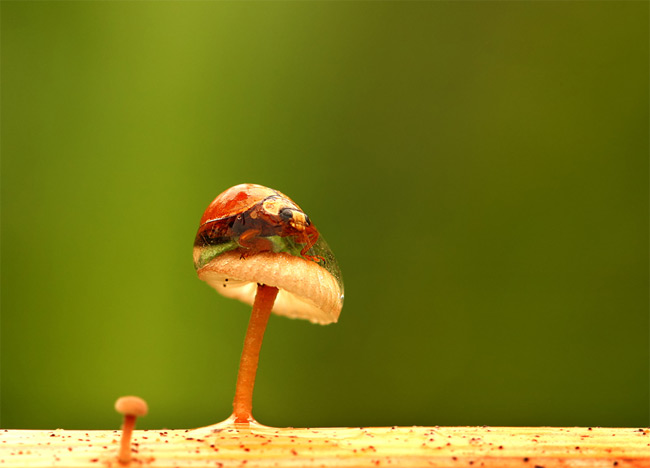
pixel 307 290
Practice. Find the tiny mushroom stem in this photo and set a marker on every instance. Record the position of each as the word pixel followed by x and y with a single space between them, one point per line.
pixel 131 407
pixel 243 403
pixel 256 245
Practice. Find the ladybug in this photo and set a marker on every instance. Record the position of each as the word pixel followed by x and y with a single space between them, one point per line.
pixel 250 214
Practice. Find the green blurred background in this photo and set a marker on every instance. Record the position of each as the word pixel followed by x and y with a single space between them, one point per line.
pixel 480 170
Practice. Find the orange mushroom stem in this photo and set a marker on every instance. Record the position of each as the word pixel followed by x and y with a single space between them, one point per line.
pixel 243 403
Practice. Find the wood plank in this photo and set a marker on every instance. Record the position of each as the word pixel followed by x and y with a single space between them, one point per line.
pixel 261 446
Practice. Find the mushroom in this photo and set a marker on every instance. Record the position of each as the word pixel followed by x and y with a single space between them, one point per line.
pixel 131 407
pixel 256 245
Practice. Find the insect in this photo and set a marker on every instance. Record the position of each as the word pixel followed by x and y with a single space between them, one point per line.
pixel 250 214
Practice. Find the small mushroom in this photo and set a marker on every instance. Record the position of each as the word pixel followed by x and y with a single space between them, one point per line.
pixel 131 407
pixel 256 245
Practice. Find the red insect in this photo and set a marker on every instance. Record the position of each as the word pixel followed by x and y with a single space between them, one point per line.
pixel 250 213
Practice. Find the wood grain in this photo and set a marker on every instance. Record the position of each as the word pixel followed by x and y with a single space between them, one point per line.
pixel 261 446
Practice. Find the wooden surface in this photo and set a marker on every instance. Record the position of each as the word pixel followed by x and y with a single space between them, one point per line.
pixel 260 446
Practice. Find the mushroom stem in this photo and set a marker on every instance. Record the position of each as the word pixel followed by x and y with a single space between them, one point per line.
pixel 243 403
pixel 125 444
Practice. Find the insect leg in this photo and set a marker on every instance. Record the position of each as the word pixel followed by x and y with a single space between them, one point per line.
pixel 250 241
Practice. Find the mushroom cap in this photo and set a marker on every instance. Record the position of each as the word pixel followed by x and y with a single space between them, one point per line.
pixel 307 290
pixel 251 234
pixel 131 405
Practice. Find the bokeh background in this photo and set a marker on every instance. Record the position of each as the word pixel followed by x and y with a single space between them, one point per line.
pixel 480 170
